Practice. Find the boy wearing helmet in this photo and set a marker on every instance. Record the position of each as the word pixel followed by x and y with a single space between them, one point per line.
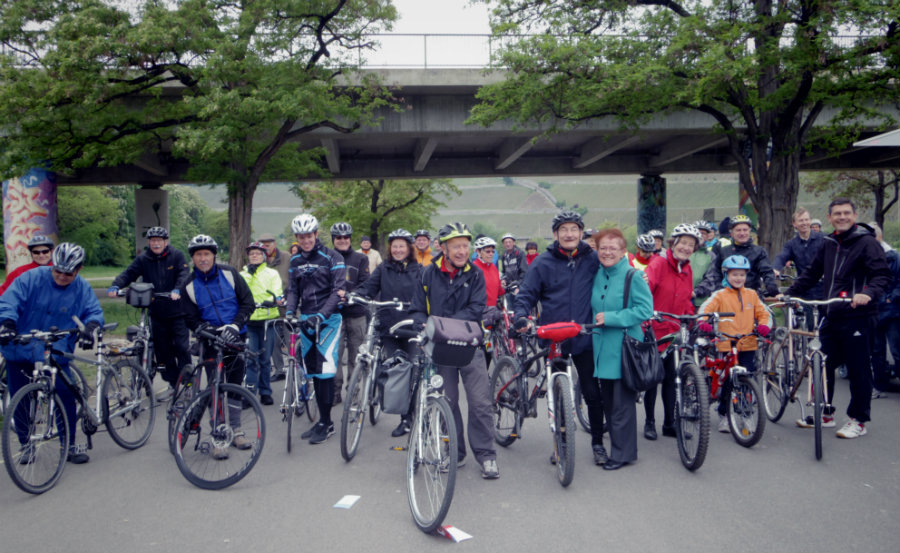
pixel 40 247
pixel 265 285
pixel 749 313
pixel 317 274
pixel 452 287
pixel 40 299
pixel 759 277
pixel 167 270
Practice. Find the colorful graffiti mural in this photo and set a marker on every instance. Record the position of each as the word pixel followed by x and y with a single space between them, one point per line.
pixel 29 208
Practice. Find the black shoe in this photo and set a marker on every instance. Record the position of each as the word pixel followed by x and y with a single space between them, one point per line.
pixel 668 431
pixel 76 457
pixel 600 455
pixel 321 433
pixel 275 377
pixel 553 459
pixel 402 428
pixel 308 434
pixel 266 399
pixel 650 430
pixel 614 465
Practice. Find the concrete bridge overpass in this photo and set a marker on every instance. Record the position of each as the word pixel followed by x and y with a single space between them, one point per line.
pixel 430 139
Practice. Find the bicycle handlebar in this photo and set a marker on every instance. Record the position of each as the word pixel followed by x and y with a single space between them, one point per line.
pixel 660 315
pixel 223 343
pixel 354 298
pixel 46 336
pixel 788 300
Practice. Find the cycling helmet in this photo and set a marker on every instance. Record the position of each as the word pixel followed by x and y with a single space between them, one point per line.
pixel 703 224
pixel 202 242
pixel 256 246
pixel 454 230
pixel 68 257
pixel 304 224
pixel 39 240
pixel 735 262
pixel 741 219
pixel 423 232
pixel 645 242
pixel 685 229
pixel 656 233
pixel 341 229
pixel 816 222
pixel 402 234
pixel 484 242
pixel 507 235
pixel 567 216
pixel 157 232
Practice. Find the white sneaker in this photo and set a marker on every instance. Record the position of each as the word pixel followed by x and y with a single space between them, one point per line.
pixel 852 429
pixel 827 422
pixel 723 424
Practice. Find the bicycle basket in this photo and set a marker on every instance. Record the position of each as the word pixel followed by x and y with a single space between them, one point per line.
pixel 452 342
pixel 394 379
pixel 139 294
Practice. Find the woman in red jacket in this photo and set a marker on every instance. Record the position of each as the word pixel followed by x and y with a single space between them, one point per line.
pixel 671 283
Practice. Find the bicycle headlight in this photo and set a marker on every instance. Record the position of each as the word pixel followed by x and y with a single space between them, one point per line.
pixel 437 381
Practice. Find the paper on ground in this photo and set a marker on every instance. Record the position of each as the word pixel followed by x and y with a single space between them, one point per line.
pixel 453 533
pixel 346 502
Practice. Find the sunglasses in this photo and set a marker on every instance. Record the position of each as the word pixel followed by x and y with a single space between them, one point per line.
pixel 63 273
pixel 342 238
pixel 40 252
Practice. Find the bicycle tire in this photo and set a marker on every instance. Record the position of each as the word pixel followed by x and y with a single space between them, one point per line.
pixel 580 406
pixel 181 397
pixel 505 396
pixel 431 464
pixel 355 406
pixel 128 406
pixel 774 379
pixel 374 395
pixel 207 431
pixel 30 411
pixel 288 405
pixel 4 388
pixel 692 416
pixel 745 414
pixel 818 401
pixel 563 433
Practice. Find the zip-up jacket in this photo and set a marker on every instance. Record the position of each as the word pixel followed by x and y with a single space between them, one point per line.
pixel 512 265
pixel 166 272
pixel 357 272
pixel 424 257
pixel 219 297
pixel 392 280
pixel 449 292
pixel 748 311
pixel 849 263
pixel 492 286
pixel 760 275
pixel 671 284
pixel 802 252
pixel 261 282
pixel 314 281
pixel 563 282
pixel 889 306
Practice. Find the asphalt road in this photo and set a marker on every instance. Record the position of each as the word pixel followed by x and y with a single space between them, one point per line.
pixel 773 497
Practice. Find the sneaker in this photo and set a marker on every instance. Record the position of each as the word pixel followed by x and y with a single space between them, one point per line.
pixel 321 433
pixel 600 455
pixel 308 434
pixel 266 399
pixel 402 428
pixel 220 453
pixel 76 456
pixel 240 441
pixel 723 424
pixel 878 394
pixel 853 429
pixel 827 422
pixel 669 431
pixel 489 470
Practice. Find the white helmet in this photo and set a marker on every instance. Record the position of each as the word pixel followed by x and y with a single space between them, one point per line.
pixel 304 224
pixel 685 229
pixel 484 242
pixel 68 257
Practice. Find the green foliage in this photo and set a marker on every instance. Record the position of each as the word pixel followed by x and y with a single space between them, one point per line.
pixel 486 229
pixel 216 224
pixel 545 184
pixel 875 190
pixel 88 216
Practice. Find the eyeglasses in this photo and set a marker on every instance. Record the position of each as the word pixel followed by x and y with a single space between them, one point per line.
pixel 608 250
pixel 341 238
pixel 40 252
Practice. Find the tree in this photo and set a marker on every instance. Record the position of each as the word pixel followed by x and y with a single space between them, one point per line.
pixel 764 71
pixel 222 87
pixel 89 217
pixel 875 190
pixel 375 207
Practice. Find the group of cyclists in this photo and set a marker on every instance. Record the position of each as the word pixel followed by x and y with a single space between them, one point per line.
pixel 462 276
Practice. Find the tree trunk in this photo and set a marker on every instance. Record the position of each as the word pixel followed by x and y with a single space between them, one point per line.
pixel 240 210
pixel 776 199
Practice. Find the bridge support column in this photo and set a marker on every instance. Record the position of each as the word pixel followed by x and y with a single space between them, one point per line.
pixel 151 209
pixel 651 203
pixel 29 208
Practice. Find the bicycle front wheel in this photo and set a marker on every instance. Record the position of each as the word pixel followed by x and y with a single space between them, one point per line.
pixel 775 387
pixel 289 403
pixel 374 393
pixel 431 464
pixel 564 431
pixel 35 438
pixel 581 406
pixel 818 386
pixel 128 405
pixel 745 414
pixel 692 416
pixel 218 442
pixel 354 419
pixel 505 396
pixel 308 397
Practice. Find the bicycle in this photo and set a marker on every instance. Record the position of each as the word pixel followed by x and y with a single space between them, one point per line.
pixel 513 402
pixel 36 427
pixel 691 391
pixel 780 368
pixel 784 365
pixel 299 392
pixel 141 352
pixel 362 393
pixel 218 450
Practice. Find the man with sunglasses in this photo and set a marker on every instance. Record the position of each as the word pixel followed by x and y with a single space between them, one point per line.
pixel 40 248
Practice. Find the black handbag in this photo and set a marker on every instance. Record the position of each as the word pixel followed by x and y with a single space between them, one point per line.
pixel 642 366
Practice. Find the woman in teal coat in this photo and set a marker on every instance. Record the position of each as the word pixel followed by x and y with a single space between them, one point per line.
pixel 607 305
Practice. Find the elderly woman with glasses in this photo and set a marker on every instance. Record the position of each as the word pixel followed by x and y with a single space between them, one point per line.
pixel 40 247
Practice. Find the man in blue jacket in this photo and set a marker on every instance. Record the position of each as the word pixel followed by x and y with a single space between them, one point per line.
pixel 42 298
pixel 801 250
pixel 562 279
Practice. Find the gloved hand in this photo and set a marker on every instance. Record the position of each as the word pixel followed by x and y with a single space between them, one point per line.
pixel 202 327
pixel 491 315
pixel 763 330
pixel 705 328
pixel 522 323
pixel 111 291
pixel 230 333
pixel 7 332
pixel 86 337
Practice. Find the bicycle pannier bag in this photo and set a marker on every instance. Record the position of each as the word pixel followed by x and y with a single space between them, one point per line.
pixel 642 366
pixel 394 380
pixel 452 342
pixel 139 294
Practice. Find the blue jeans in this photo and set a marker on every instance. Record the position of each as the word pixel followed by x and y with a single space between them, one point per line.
pixel 259 368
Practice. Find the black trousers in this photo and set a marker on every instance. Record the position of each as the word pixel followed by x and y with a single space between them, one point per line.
pixel 171 344
pixel 668 395
pixel 621 420
pixel 590 391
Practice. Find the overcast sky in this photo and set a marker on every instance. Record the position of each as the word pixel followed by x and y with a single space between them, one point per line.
pixel 441 16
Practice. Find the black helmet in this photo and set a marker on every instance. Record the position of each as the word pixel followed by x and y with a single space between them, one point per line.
pixel 157 232
pixel 454 230
pixel 39 240
pixel 423 232
pixel 341 229
pixel 202 242
pixel 402 234
pixel 567 216
pixel 68 257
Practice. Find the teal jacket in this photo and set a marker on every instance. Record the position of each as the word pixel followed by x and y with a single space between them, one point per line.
pixel 606 297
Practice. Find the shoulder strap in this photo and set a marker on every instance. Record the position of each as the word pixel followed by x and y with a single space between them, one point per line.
pixel 627 286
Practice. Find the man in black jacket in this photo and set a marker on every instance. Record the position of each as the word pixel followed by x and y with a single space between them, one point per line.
pixel 354 316
pixel 512 263
pixel 853 265
pixel 759 277
pixel 166 268
pixel 452 287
